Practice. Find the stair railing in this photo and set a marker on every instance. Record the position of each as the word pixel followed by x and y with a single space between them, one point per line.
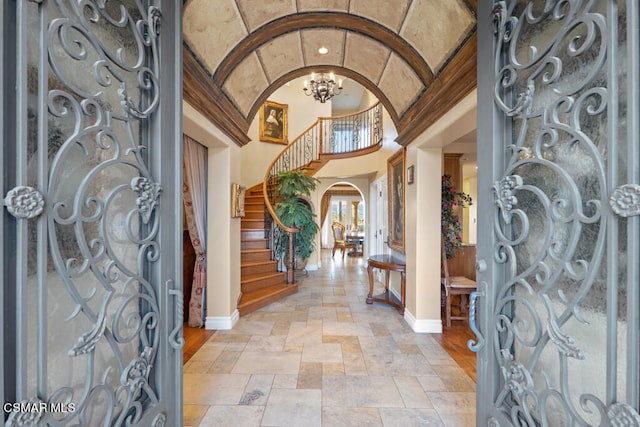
pixel 340 136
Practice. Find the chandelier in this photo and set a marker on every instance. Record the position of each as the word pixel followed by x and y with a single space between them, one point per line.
pixel 322 87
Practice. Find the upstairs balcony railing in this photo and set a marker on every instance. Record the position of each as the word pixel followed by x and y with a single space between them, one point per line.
pixel 329 137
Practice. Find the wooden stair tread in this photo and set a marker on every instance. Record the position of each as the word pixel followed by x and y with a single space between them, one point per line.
pixel 254 251
pixel 260 293
pixel 264 239
pixel 254 300
pixel 255 263
pixel 255 277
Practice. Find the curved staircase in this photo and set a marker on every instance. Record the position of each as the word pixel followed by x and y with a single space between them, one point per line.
pixel 264 278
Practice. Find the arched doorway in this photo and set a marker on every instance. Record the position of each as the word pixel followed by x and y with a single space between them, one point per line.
pixel 343 202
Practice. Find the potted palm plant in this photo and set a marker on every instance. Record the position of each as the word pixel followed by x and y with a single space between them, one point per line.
pixel 296 212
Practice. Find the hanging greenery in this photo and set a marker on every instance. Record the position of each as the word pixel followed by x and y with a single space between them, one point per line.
pixel 452 203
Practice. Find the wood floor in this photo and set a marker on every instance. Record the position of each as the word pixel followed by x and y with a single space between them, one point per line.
pixel 194 338
pixel 453 340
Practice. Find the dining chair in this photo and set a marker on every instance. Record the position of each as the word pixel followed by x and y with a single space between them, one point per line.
pixel 339 241
pixel 454 285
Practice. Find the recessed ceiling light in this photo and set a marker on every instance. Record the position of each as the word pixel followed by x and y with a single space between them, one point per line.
pixel 323 50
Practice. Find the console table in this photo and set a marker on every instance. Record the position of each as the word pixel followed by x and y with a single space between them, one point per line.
pixel 388 263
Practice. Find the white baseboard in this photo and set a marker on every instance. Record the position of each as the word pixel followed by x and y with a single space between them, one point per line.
pixel 428 326
pixel 222 323
pixel 312 267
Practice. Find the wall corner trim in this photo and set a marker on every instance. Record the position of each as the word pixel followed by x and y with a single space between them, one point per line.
pixel 222 323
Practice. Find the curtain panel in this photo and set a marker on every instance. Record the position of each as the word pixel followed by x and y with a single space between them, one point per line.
pixel 195 204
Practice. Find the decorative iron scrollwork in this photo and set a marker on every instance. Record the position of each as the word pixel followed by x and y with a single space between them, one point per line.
pixel 24 202
pixel 523 100
pixel 159 421
pixel 566 344
pixel 148 196
pixel 155 18
pixel 87 342
pixel 517 379
pixel 135 376
pixel 621 414
pixel 625 200
pixel 147 80
pixel 505 192
pixel 554 92
pixel 499 13
pixel 29 414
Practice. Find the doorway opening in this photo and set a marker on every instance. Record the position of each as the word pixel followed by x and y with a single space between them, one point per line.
pixel 344 204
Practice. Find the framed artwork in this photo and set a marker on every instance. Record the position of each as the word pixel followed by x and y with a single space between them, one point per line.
pixel 396 177
pixel 273 122
pixel 237 200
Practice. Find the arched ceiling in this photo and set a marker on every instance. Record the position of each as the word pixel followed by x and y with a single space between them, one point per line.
pixel 416 56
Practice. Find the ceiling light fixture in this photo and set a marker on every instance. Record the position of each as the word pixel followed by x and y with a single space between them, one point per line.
pixel 322 87
pixel 323 50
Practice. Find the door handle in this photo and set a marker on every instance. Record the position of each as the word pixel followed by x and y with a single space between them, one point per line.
pixel 477 344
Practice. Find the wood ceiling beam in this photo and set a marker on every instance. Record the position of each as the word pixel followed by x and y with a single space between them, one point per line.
pixel 199 90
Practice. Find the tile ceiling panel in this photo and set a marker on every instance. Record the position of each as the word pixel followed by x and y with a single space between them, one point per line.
pixel 333 40
pixel 281 55
pixel 365 56
pixel 435 28
pixel 246 83
pixel 379 11
pixel 202 26
pixel 322 5
pixel 257 13
pixel 400 83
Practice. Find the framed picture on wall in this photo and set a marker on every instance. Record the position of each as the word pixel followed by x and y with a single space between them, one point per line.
pixel 396 185
pixel 273 123
pixel 237 200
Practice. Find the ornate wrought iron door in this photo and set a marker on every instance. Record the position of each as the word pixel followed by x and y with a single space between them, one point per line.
pixel 91 184
pixel 559 258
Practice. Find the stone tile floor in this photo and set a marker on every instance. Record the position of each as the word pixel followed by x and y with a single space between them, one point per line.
pixel 322 357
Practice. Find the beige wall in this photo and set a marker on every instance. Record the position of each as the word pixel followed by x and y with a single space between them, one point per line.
pixel 223 232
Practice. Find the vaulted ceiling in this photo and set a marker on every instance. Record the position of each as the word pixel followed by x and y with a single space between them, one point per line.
pixel 417 56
